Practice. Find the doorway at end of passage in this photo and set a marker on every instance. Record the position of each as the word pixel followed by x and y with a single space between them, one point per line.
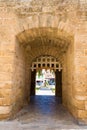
pixel 45 82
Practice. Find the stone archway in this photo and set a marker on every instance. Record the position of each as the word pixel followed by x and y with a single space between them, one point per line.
pixel 31 44
pixel 47 62
pixel 37 42
pixel 26 32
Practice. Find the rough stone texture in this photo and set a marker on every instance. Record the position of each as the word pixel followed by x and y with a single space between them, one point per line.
pixel 29 29
pixel 49 114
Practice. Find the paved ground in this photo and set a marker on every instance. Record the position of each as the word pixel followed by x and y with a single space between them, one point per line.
pixel 43 113
pixel 44 91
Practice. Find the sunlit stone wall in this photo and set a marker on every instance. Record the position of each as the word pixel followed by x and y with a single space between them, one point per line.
pixel 29 29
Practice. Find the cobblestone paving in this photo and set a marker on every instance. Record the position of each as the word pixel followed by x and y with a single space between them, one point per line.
pixel 43 113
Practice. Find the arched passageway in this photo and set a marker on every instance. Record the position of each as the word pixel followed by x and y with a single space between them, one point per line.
pixel 34 28
pixel 47 63
pixel 34 43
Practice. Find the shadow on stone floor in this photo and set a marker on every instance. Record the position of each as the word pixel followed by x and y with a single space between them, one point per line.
pixel 46 111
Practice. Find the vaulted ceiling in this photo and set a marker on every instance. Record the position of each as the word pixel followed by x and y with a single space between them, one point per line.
pixel 44 41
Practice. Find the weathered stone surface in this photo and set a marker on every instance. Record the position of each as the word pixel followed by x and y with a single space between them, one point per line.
pixel 85 105
pixel 5 110
pixel 29 29
pixel 82 114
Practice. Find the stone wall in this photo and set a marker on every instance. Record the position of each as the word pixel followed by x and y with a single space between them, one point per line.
pixel 12 62
pixel 75 74
pixel 18 79
pixel 68 81
pixel 80 87
pixel 33 28
pixel 7 47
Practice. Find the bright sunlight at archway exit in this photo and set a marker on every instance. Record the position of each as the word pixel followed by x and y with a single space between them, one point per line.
pixel 45 82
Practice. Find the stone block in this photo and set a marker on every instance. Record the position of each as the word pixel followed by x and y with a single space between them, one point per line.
pixel 80 97
pixel 86 104
pixel 85 52
pixel 82 114
pixel 5 93
pixel 6 101
pixel 72 109
pixel 79 104
pixel 5 110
